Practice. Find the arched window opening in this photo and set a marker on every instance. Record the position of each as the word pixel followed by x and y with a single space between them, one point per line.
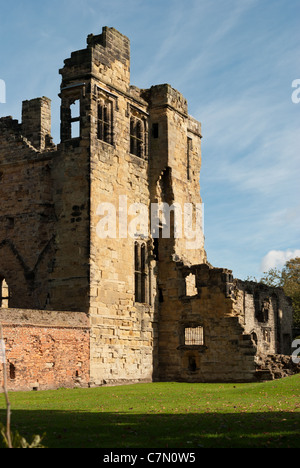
pixel 105 121
pixel 4 294
pixel 136 137
pixel 141 272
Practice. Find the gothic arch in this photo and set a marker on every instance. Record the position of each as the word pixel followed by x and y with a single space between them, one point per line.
pixel 16 274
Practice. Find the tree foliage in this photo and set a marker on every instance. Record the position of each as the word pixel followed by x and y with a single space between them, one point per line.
pixel 289 279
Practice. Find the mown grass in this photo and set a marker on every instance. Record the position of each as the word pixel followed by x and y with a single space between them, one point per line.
pixel 162 415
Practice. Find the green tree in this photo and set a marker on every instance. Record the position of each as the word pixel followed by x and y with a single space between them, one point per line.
pixel 289 279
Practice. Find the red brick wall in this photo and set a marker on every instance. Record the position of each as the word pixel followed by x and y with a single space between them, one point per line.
pixel 45 355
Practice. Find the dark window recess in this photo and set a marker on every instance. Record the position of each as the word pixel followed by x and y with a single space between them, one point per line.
pixel 155 130
pixel 160 295
pixel 192 364
pixel 10 222
pixel 254 337
pixel 141 272
pixel 12 372
pixel 188 163
pixel 156 249
pixel 261 309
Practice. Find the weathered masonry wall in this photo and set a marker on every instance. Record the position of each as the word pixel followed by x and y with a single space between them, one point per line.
pixel 123 331
pixel 266 314
pixel 239 324
pixel 27 216
pixel 45 350
pixel 225 352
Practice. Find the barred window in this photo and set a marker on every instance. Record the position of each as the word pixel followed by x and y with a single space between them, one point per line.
pixel 4 294
pixel 194 336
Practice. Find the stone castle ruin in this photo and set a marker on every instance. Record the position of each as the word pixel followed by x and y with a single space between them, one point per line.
pixel 82 307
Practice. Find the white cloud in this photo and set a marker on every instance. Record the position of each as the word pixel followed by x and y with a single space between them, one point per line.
pixel 278 258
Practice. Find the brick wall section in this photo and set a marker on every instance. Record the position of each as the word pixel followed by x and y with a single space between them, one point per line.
pixel 45 350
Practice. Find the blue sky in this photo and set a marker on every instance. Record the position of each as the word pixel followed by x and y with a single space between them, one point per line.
pixel 234 60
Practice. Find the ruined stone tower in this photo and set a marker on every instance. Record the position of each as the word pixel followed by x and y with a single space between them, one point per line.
pixel 86 247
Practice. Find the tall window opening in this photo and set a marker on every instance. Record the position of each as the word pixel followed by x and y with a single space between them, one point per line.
pixel 75 119
pixel 105 121
pixel 141 272
pixel 188 163
pixel 12 371
pixel 136 137
pixel 155 130
pixel 4 294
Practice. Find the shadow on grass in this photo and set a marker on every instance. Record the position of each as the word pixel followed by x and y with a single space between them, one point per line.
pixel 125 430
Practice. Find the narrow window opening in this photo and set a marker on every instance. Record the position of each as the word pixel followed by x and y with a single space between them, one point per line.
pixel 188 165
pixel 136 137
pixel 75 119
pixel 155 130
pixel 254 338
pixel 267 336
pixel 75 129
pixel 156 249
pixel 75 109
pixel 12 372
pixel 4 294
pixel 141 272
pixel 192 364
pixel 190 283
pixel 137 267
pixel 160 295
pixel 105 122
pixel 10 222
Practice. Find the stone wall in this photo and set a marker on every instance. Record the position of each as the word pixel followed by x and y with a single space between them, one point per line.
pixel 45 350
pixel 123 340
pixel 236 336
pixel 225 352
pixel 27 217
pixel 266 314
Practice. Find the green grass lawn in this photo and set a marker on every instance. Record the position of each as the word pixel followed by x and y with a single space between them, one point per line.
pixel 162 415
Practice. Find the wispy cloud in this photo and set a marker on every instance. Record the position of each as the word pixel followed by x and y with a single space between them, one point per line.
pixel 277 259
